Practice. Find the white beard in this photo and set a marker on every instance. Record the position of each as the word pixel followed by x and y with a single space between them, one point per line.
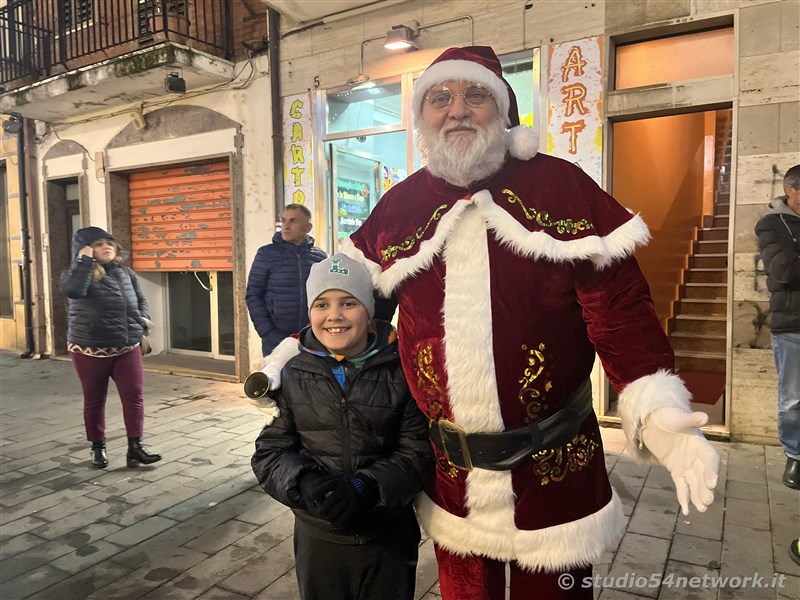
pixel 464 159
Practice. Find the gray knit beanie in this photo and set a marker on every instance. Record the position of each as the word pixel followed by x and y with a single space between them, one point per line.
pixel 340 272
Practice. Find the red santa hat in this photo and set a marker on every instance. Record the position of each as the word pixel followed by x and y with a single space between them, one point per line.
pixel 479 64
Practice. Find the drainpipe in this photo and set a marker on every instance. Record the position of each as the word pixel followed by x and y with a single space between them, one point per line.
pixel 273 46
pixel 25 232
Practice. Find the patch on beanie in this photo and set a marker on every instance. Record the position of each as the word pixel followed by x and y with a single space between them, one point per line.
pixel 335 268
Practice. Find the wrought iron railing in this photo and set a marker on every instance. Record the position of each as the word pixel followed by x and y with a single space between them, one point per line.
pixel 39 38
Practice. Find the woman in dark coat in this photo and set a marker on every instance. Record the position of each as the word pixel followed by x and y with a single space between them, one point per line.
pixel 107 317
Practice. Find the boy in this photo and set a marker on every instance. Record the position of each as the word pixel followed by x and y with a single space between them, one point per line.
pixel 349 449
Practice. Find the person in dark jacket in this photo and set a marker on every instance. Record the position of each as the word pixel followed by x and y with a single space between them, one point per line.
pixel 276 286
pixel 348 449
pixel 107 317
pixel 778 234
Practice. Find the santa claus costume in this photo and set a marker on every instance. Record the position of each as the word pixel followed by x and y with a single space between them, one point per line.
pixel 506 289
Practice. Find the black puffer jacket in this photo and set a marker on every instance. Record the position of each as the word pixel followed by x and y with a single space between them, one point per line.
pixel 374 429
pixel 108 313
pixel 778 234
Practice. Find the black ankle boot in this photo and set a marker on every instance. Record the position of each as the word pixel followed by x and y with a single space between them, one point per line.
pixel 99 456
pixel 137 454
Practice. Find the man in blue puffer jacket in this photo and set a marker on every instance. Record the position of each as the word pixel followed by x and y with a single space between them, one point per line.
pixel 276 286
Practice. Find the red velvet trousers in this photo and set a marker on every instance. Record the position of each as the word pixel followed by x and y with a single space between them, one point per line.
pixel 477 578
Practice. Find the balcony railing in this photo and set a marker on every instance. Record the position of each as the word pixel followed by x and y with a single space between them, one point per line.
pixel 40 38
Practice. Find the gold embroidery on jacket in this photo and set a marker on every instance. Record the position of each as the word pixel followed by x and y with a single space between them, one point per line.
pixel 409 242
pixel 428 380
pixel 429 383
pixel 554 465
pixel 529 396
pixel 543 217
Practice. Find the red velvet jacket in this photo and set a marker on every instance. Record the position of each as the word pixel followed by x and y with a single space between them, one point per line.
pixel 506 290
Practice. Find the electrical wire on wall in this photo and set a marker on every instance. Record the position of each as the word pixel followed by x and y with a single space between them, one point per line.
pixel 253 74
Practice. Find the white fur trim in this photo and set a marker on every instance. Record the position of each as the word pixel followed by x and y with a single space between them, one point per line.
pixel 275 360
pixel 468 352
pixel 523 142
pixel 662 389
pixel 602 251
pixel 540 245
pixel 406 267
pixel 460 70
pixel 467 317
pixel 346 246
pixel 553 549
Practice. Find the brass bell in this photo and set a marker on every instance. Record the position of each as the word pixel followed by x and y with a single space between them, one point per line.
pixel 256 385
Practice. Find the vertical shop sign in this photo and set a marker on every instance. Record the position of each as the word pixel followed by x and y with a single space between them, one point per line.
pixel 574 98
pixel 298 177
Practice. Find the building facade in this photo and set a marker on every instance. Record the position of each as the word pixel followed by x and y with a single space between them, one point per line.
pixel 686 111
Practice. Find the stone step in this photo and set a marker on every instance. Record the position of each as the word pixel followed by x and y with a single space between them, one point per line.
pixel 711 247
pixel 703 290
pixel 708 261
pixel 684 341
pixel 700 361
pixel 707 324
pixel 700 306
pixel 706 275
pixel 707 234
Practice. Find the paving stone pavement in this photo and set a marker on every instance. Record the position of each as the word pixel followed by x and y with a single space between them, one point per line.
pixel 196 526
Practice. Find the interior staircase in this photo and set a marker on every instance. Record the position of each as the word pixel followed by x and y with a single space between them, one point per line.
pixel 697 328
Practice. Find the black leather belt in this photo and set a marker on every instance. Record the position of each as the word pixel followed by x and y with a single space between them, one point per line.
pixel 507 450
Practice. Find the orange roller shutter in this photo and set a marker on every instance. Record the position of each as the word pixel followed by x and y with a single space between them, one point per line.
pixel 181 218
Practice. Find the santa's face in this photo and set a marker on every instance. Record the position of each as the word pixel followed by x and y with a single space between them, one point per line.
pixel 449 119
pixel 461 142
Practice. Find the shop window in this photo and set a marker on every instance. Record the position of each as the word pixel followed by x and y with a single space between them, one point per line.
pixel 521 70
pixel 365 106
pixel 675 58
pixel 6 299
pixel 363 169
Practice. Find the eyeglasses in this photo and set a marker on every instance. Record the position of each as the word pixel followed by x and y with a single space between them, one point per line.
pixel 441 97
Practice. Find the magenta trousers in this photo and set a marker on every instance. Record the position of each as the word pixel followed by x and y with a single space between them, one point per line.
pixel 477 578
pixel 128 375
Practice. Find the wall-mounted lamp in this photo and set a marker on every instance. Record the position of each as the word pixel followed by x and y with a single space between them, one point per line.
pixel 401 37
pixel 256 46
pixel 174 84
pixel 13 124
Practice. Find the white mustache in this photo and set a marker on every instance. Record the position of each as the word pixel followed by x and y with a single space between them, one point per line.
pixel 461 125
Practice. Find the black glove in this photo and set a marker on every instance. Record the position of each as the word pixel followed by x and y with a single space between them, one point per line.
pixel 308 484
pixel 343 500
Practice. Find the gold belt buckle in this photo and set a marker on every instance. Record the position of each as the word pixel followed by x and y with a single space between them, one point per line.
pixel 445 425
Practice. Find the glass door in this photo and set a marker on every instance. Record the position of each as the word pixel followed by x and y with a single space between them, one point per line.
pixel 201 313
pixel 363 168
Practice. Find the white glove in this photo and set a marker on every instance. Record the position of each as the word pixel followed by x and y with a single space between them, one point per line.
pixel 268 408
pixel 674 438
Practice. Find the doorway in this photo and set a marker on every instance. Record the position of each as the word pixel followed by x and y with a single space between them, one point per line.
pixel 200 313
pixel 675 172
